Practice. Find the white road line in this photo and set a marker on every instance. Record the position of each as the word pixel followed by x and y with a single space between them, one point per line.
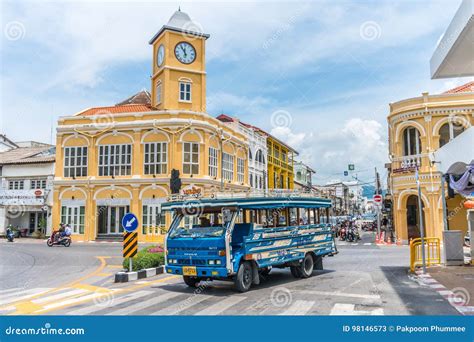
pixel 141 305
pixel 183 305
pixel 343 310
pixel 299 307
pixel 3 292
pixel 340 309
pixel 21 295
pixel 367 243
pixel 341 294
pixel 221 306
pixel 116 301
pixel 69 293
pixel 71 301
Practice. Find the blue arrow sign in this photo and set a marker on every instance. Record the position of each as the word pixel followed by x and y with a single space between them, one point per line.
pixel 129 222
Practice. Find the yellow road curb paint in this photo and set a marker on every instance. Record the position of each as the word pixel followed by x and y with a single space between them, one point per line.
pixel 115 266
pixel 104 274
pixel 113 292
pixel 27 307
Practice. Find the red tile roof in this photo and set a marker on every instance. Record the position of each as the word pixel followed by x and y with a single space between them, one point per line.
pixel 227 118
pixel 465 88
pixel 131 108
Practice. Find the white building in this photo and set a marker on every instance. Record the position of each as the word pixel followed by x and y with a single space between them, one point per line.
pixel 257 151
pixel 303 176
pixel 27 173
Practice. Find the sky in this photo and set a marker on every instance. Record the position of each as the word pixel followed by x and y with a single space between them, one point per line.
pixel 318 75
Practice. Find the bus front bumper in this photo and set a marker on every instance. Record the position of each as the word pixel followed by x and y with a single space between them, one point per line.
pixel 211 272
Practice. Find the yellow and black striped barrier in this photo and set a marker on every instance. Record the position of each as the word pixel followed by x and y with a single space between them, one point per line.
pixel 130 244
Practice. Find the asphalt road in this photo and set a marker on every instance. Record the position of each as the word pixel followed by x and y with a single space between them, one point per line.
pixel 363 279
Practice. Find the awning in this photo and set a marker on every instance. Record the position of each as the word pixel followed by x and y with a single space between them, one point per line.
pixel 456 155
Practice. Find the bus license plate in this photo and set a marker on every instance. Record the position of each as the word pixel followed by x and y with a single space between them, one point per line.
pixel 189 271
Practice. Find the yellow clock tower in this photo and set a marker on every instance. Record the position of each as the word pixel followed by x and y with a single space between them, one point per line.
pixel 178 80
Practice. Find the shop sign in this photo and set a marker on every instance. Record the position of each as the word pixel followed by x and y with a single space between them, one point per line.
pixel 21 197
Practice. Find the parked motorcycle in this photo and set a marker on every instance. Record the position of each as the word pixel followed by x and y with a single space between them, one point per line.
pixel 9 235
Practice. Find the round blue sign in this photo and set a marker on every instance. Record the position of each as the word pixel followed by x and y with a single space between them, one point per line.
pixel 129 222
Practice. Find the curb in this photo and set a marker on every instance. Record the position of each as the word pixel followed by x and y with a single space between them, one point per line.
pixel 124 277
pixel 450 296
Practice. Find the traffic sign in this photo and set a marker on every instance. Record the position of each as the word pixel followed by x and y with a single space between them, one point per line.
pixel 351 167
pixel 129 222
pixel 346 173
pixel 378 199
pixel 130 245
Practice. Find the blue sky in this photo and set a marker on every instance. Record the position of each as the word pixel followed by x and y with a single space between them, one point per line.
pixel 319 75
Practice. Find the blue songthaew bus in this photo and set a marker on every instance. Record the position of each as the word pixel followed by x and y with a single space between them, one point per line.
pixel 242 238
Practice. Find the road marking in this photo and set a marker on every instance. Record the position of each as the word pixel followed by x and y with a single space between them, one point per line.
pixel 93 308
pixel 367 243
pixel 3 292
pixel 341 294
pixel 141 305
pixel 183 305
pixel 340 309
pixel 221 306
pixel 70 301
pixel 50 298
pixel 299 307
pixel 21 295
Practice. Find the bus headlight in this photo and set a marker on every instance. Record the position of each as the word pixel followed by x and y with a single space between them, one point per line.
pixel 218 262
pixel 211 262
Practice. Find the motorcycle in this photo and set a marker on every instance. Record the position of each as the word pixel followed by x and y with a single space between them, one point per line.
pixel 9 235
pixel 342 234
pixel 56 239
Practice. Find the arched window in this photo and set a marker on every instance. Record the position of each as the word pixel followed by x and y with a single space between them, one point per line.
pixel 250 155
pixel 411 141
pixel 449 131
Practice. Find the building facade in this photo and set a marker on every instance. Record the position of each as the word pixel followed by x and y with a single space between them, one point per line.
pixel 418 127
pixel 280 164
pixel 27 172
pixel 303 176
pixel 132 156
pixel 257 156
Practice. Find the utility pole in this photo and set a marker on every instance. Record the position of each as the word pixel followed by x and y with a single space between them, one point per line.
pixel 377 192
pixel 422 228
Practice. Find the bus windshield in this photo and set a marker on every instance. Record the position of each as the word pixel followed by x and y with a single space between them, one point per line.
pixel 194 227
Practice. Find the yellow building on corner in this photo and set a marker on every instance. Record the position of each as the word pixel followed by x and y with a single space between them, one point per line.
pixel 117 159
pixel 418 127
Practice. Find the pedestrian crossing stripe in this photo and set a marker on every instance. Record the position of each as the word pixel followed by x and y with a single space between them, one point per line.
pixel 130 244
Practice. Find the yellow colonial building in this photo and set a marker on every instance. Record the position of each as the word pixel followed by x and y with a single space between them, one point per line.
pixel 418 127
pixel 117 159
pixel 280 164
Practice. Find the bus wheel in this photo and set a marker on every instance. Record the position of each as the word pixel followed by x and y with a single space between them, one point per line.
pixel 243 280
pixel 295 271
pixel 191 281
pixel 307 266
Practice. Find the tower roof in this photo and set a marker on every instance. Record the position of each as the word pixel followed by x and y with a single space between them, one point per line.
pixel 181 22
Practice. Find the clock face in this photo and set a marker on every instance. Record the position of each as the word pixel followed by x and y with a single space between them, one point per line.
pixel 160 55
pixel 185 53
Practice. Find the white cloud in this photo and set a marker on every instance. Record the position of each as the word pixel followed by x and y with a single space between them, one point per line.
pixel 358 141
